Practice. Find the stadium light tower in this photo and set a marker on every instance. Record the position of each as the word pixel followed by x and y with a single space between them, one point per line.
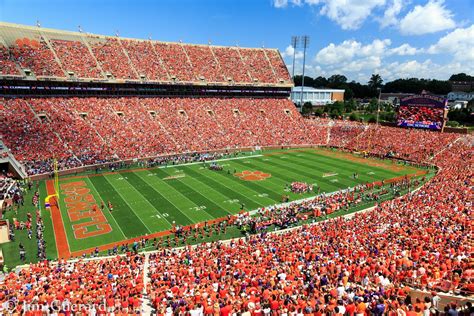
pixel 305 43
pixel 294 43
pixel 379 90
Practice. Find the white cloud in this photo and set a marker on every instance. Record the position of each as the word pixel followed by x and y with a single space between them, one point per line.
pixel 430 18
pixel 361 69
pixel 424 69
pixel 358 60
pixel 289 53
pixel 390 16
pixel 349 14
pixel 284 3
pixel 459 43
pixel 350 49
pixel 405 50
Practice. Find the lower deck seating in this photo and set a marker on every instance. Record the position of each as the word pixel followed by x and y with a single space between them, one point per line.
pixel 89 130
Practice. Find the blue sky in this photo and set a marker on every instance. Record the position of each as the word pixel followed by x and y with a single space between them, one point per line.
pixel 396 38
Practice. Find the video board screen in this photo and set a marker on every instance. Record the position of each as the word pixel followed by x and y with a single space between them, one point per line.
pixel 422 111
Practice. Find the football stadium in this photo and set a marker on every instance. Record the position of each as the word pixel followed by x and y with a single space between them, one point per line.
pixel 145 177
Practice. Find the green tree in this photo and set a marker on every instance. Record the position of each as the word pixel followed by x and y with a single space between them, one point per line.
pixel 307 108
pixel 349 106
pixel 461 77
pixel 373 105
pixel 319 111
pixel 336 81
pixel 348 93
pixel 320 82
pixel 375 81
pixel 452 123
pixel 354 117
pixel 308 81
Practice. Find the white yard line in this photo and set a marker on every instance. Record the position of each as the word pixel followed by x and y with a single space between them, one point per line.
pixel 126 202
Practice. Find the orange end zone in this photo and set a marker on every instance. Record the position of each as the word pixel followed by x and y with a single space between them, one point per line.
pixel 58 225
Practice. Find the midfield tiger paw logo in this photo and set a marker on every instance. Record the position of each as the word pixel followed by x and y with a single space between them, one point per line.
pixel 256 175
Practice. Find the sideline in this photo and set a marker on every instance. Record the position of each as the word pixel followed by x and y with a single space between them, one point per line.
pixel 152 168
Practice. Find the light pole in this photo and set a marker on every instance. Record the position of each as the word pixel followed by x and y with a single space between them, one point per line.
pixel 305 42
pixel 294 43
pixel 378 104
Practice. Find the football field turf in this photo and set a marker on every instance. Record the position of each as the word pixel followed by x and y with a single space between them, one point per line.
pixel 147 201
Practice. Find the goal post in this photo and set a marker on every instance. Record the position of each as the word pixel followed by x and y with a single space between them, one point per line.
pixel 47 200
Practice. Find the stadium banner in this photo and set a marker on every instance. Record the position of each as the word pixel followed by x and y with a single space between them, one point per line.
pixel 422 111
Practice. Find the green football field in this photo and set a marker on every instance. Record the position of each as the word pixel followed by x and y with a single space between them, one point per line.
pixel 147 201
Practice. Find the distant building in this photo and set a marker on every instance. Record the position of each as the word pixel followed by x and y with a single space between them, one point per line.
pixel 466 86
pixel 456 105
pixel 460 96
pixel 393 98
pixel 317 97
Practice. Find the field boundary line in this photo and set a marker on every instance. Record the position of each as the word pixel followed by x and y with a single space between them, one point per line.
pixel 349 189
pixel 156 167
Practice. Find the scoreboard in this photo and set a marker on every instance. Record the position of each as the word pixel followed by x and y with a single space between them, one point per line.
pixel 422 111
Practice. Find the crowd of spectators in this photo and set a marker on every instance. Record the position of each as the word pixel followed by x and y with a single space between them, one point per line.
pixel 342 131
pixel 112 58
pixel 278 65
pixel 232 64
pixel 205 65
pixel 94 287
pixel 75 57
pixel 88 130
pixel 175 60
pixel 258 65
pixel 30 138
pixel 361 264
pixel 143 59
pixel 408 144
pixel 35 55
pixel 7 63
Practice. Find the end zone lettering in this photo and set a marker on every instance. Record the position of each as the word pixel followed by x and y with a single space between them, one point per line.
pixel 81 204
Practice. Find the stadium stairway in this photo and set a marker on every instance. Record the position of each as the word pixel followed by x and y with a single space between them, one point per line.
pixel 160 61
pixel 86 43
pixel 270 63
pixel 146 308
pixel 132 66
pixel 243 62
